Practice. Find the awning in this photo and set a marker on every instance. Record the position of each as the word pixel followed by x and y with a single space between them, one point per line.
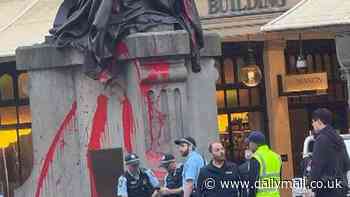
pixel 25 22
pixel 312 14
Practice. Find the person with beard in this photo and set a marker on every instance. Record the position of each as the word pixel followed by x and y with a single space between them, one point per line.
pixel 218 171
pixel 173 180
pixel 136 181
pixel 194 162
pixel 330 161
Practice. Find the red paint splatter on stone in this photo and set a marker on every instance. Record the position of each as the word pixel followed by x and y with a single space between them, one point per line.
pixel 159 70
pixel 53 147
pixel 128 124
pixel 121 49
pixel 156 70
pixel 99 123
pixel 97 131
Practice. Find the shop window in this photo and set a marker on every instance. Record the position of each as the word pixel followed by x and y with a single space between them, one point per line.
pixel 218 68
pixel 24 114
pixel 223 123
pixel 8 116
pixel 231 97
pixel 6 87
pixel 23 85
pixel 310 64
pixel 241 109
pixel 291 61
pixel 321 57
pixel 244 97
pixel 318 63
pixel 239 63
pixel 16 158
pixel 255 96
pixel 220 99
pixel 229 72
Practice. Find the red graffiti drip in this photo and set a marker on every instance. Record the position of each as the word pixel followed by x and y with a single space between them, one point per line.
pixel 158 70
pixel 52 149
pixel 128 124
pixel 98 130
pixel 99 123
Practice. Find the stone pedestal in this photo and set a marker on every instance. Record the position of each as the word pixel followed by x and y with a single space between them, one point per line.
pixel 155 99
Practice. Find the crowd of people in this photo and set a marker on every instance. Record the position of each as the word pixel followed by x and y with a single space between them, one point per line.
pixel 222 178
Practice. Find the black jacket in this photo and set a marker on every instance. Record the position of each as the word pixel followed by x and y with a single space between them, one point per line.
pixel 211 174
pixel 249 172
pixel 330 160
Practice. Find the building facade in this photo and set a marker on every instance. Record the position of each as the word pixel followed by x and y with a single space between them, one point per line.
pixel 284 118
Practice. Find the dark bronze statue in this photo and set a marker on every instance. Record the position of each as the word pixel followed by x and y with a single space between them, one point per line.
pixel 96 26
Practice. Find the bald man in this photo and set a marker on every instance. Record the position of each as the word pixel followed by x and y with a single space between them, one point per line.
pixel 212 178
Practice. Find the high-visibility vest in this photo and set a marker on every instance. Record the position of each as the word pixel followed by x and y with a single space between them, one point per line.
pixel 269 173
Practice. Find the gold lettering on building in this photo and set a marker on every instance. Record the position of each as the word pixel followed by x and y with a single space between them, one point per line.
pixel 305 82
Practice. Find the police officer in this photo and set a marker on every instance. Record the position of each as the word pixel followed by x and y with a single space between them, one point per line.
pixel 212 177
pixel 265 167
pixel 173 180
pixel 136 181
pixel 194 162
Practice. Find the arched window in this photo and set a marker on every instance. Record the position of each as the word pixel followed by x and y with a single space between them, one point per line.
pixel 6 87
pixel 16 149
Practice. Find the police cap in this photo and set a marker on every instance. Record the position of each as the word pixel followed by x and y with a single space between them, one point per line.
pixel 131 159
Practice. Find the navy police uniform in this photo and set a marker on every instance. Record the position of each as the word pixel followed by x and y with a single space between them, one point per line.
pixel 173 180
pixel 143 185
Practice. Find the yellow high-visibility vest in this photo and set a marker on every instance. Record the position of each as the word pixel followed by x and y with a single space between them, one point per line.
pixel 269 173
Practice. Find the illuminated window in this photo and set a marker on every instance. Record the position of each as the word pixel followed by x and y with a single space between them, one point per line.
pixel 231 97
pixel 23 85
pixel 220 99
pixel 223 123
pixel 240 108
pixel 229 71
pixel 6 87
pixel 15 128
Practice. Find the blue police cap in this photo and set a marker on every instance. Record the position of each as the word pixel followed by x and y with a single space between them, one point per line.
pixel 166 159
pixel 256 137
pixel 132 159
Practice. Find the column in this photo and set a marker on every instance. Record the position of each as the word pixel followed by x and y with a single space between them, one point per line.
pixel 277 107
